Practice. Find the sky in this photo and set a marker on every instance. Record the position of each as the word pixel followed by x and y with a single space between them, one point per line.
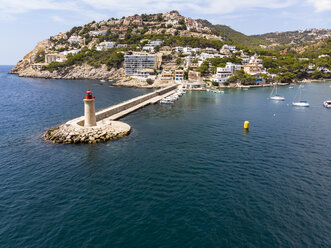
pixel 25 22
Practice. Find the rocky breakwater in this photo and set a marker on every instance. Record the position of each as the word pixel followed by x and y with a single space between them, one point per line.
pixel 69 133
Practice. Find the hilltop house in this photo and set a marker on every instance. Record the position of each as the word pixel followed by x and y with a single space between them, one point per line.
pixel 232 67
pixel 228 47
pixel 55 57
pixel 105 46
pixel 75 39
pixel 98 32
pixel 151 45
pixel 74 51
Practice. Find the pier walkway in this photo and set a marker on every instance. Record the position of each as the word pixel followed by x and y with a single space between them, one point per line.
pixel 122 109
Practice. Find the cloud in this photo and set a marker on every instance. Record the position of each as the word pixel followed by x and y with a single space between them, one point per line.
pixel 101 9
pixel 58 19
pixel 10 8
pixel 321 5
pixel 197 6
pixel 22 6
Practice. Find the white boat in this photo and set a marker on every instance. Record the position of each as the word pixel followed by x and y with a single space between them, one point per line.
pixel 327 104
pixel 102 81
pixel 301 104
pixel 276 97
pixel 165 101
pixel 216 91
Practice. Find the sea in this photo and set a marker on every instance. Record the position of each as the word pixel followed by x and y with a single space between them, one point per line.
pixel 188 175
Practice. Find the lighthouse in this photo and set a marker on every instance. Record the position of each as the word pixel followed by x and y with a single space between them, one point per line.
pixel 89 109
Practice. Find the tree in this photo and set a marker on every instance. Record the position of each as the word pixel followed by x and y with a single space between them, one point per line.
pixel 149 81
pixel 243 77
pixel 157 49
pixel 317 74
pixel 204 68
pixel 270 63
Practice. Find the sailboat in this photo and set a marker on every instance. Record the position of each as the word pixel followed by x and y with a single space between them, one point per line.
pixel 276 96
pixel 300 103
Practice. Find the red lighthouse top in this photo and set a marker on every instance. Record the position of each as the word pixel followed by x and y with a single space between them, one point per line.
pixel 89 94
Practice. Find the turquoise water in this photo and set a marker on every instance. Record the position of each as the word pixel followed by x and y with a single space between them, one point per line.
pixel 187 176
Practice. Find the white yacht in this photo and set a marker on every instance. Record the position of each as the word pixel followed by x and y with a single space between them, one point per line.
pixel 327 104
pixel 301 104
pixel 276 97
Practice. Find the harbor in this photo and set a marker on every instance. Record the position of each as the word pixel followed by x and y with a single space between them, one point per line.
pixel 185 169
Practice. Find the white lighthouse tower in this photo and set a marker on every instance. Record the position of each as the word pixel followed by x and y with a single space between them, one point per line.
pixel 89 110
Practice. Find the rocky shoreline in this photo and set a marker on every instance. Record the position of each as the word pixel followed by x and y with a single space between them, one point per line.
pixel 84 72
pixel 68 134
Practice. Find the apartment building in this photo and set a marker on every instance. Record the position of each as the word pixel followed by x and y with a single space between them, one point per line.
pixel 179 75
pixel 136 62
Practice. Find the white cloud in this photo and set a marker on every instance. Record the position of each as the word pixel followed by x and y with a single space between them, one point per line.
pixel 198 6
pixel 96 9
pixel 22 6
pixel 58 19
pixel 10 8
pixel 321 5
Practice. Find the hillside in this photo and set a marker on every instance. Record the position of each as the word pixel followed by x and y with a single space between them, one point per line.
pixel 298 37
pixel 232 35
pixel 151 50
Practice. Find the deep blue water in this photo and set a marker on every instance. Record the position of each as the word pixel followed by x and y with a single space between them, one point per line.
pixel 187 176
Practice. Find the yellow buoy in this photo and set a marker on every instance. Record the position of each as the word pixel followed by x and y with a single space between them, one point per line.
pixel 246 124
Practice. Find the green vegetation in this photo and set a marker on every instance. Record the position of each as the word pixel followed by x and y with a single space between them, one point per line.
pixel 242 77
pixel 221 62
pixel 149 81
pixel 298 37
pixel 235 36
pixel 112 58
pixel 40 57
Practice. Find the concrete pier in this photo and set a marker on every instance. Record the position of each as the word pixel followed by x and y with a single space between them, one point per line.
pixel 105 127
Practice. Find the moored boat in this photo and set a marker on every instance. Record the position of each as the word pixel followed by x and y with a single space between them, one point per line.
pixel 327 104
pixel 301 104
pixel 277 98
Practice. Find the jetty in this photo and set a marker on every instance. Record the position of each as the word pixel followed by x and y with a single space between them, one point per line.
pixel 103 125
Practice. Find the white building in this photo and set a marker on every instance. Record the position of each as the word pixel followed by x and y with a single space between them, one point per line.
pixel 254 59
pixel 222 75
pixel 232 67
pixel 323 69
pixel 105 46
pixel 231 48
pixel 98 32
pixel 204 56
pixel 75 39
pixel 172 22
pixel 179 49
pixel 151 45
pixel 71 51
